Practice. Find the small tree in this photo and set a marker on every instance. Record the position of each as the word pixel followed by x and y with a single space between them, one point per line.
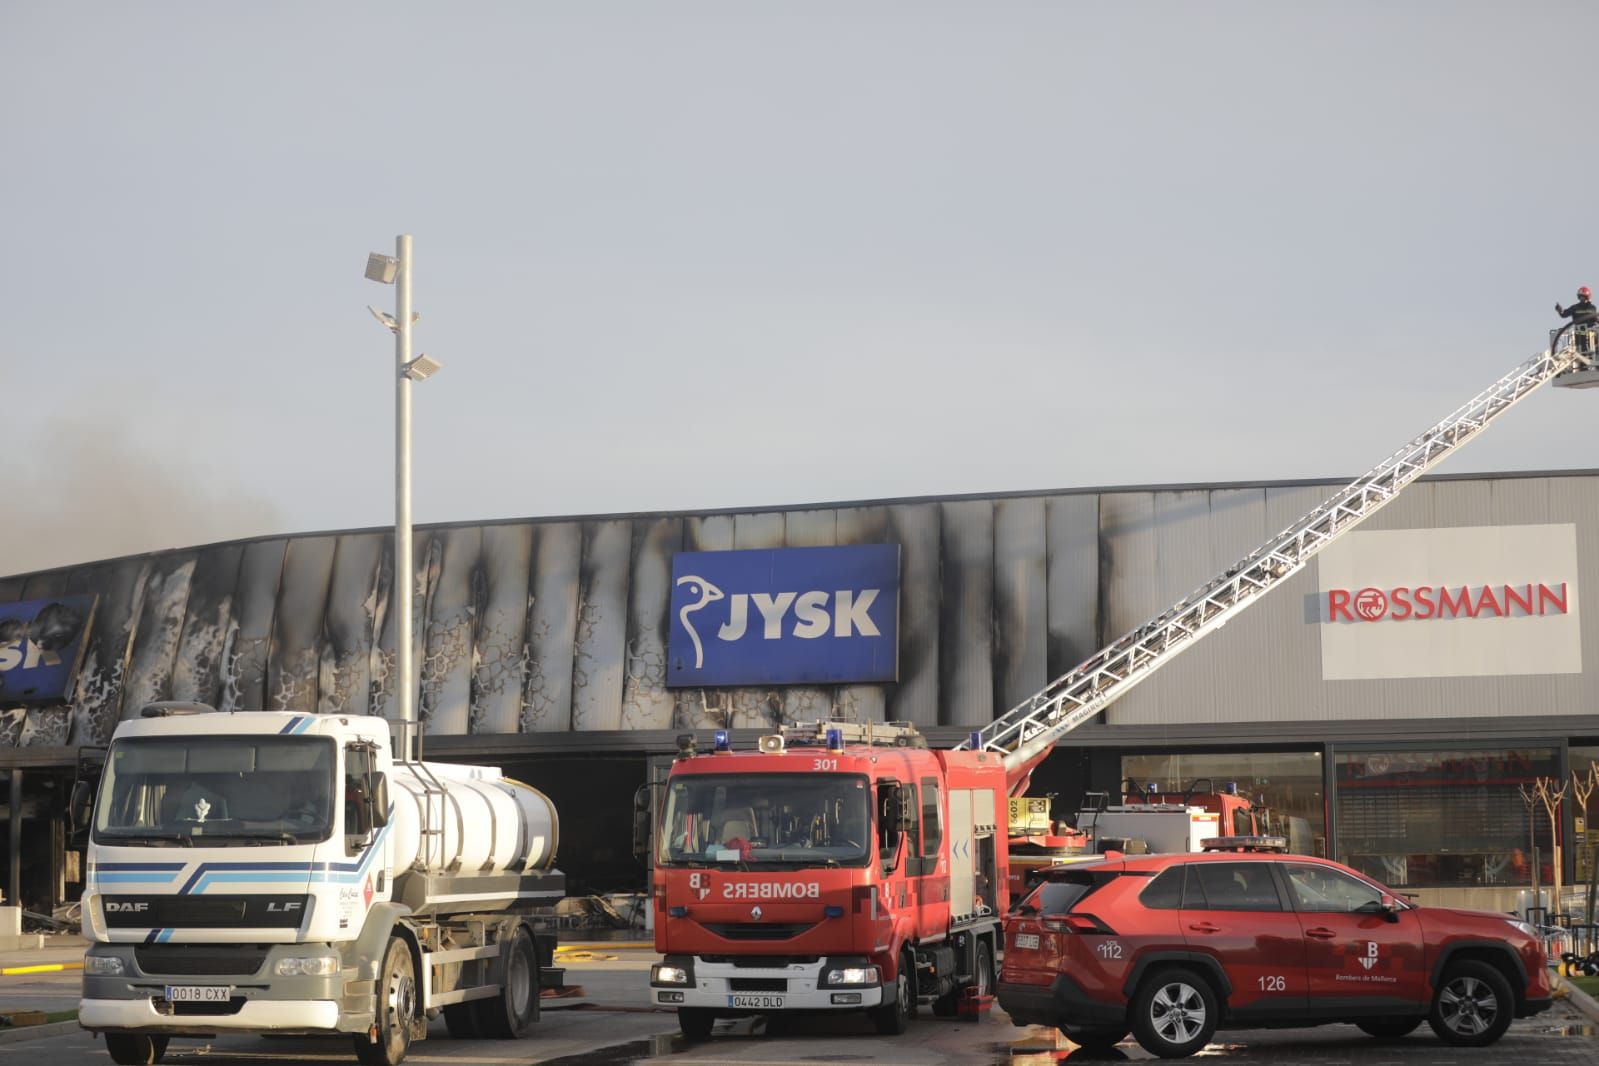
pixel 1582 786
pixel 1552 798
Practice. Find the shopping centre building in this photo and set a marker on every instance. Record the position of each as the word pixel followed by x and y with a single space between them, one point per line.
pixel 1393 700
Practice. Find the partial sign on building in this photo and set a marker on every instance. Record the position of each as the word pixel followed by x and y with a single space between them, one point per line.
pixel 1467 602
pixel 785 616
pixel 41 643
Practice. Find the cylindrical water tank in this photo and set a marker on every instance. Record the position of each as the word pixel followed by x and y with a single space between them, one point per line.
pixel 489 823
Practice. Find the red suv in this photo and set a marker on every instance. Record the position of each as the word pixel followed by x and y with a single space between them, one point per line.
pixel 1173 947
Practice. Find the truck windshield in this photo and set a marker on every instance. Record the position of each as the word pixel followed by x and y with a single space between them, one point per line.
pixel 216 791
pixel 787 819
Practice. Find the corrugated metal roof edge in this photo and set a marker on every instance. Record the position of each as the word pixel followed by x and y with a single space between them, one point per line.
pixel 1019 494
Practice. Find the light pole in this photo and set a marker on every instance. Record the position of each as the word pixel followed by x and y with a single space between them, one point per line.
pixel 396 270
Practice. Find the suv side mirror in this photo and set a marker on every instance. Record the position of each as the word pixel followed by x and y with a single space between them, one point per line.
pixel 641 822
pixel 81 809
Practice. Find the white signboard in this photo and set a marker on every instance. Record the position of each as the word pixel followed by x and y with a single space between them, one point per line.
pixel 1470 602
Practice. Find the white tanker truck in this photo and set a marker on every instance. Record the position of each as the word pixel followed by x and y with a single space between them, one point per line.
pixel 285 873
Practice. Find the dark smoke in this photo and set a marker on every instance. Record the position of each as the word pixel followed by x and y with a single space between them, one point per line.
pixel 92 492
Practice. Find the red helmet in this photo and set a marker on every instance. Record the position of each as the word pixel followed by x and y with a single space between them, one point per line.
pixel 1584 292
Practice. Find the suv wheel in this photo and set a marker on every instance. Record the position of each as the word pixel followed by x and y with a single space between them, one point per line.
pixel 1473 1005
pixel 1174 1013
pixel 1388 1028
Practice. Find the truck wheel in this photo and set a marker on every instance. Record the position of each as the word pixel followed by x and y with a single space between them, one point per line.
pixel 1174 1013
pixel 135 1049
pixel 1473 1005
pixel 948 1005
pixel 509 1015
pixel 695 1022
pixel 396 1008
pixel 461 1020
pixel 894 1016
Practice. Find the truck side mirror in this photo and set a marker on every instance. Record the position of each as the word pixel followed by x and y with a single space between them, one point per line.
pixel 357 809
pixel 81 809
pixel 378 802
pixel 641 822
pixel 907 810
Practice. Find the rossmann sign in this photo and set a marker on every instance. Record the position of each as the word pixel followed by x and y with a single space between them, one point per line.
pixel 784 616
pixel 1461 602
pixel 1420 603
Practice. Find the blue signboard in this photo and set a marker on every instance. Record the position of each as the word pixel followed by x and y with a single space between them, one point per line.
pixel 785 616
pixel 41 642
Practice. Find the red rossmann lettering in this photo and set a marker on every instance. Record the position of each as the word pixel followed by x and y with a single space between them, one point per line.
pixel 1421 602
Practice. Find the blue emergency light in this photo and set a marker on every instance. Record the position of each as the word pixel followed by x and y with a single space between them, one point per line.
pixel 723 743
pixel 835 740
pixel 975 739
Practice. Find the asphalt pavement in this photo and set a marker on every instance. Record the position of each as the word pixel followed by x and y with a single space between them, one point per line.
pixel 612 1022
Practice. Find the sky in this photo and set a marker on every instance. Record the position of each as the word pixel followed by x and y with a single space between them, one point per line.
pixel 708 255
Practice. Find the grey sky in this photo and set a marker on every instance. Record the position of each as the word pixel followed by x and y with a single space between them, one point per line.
pixel 699 255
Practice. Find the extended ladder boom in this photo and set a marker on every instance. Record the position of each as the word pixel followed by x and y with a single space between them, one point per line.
pixel 1026 733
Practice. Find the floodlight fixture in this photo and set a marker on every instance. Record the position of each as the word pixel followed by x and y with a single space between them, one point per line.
pixel 382 268
pixel 421 368
pixel 388 319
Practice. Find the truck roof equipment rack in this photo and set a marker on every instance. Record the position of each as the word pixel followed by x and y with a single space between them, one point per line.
pixel 887 734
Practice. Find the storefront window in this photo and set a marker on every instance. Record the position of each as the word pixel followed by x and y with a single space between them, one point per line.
pixel 1288 782
pixel 1441 818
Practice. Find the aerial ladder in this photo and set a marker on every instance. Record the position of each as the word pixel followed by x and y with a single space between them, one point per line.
pixel 1024 735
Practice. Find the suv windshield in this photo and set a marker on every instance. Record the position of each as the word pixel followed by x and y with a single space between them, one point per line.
pixel 787 819
pixel 219 791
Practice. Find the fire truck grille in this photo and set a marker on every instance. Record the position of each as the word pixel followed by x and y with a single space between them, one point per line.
pixel 762 962
pixel 763 931
pixel 758 984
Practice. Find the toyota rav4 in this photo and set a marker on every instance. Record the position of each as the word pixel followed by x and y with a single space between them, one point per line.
pixel 1173 947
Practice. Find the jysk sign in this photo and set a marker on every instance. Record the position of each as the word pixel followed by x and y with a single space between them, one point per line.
pixel 41 642
pixel 785 616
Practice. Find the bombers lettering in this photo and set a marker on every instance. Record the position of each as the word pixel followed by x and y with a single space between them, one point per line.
pixel 772 890
pixel 1422 602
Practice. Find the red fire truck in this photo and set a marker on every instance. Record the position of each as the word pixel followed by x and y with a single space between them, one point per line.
pixel 841 866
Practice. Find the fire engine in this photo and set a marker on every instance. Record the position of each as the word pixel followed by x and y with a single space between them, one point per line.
pixel 841 865
pixel 846 866
pixel 1150 821
pixel 1037 841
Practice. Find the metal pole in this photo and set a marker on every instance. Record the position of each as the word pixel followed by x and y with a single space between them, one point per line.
pixel 14 882
pixel 404 571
